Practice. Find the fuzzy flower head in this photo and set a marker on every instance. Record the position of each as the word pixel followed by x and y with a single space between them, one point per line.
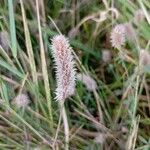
pixel 22 100
pixel 118 36
pixel 64 65
pixel 129 31
pixel 88 81
pixel 144 58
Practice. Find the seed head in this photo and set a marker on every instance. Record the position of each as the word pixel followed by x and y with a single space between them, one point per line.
pixel 64 65
pixel 88 81
pixel 129 31
pixel 118 36
pixel 22 100
pixel 144 57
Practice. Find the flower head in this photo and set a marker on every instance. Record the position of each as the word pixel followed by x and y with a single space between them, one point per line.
pixel 64 64
pixel 118 36
pixel 129 31
pixel 22 100
pixel 144 57
pixel 88 81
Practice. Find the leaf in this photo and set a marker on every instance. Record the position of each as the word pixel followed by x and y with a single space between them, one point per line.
pixel 12 28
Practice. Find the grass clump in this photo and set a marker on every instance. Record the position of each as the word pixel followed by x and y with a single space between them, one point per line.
pixel 103 103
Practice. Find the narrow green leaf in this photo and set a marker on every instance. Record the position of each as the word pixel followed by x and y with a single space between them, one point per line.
pixel 11 69
pixel 12 28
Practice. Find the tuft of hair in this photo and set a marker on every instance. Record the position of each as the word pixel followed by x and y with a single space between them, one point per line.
pixel 65 67
pixel 22 100
pixel 4 40
pixel 144 57
pixel 88 81
pixel 117 37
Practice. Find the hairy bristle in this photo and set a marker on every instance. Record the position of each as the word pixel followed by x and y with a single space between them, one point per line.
pixel 64 64
pixel 118 36
pixel 88 81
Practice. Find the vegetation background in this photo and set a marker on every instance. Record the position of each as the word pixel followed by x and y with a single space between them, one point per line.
pixel 115 115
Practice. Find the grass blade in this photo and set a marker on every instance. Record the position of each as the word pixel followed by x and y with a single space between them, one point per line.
pixel 29 45
pixel 12 28
pixel 44 66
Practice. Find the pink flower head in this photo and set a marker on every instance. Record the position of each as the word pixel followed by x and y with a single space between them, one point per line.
pixel 22 100
pixel 144 57
pixel 88 81
pixel 129 31
pixel 118 36
pixel 64 64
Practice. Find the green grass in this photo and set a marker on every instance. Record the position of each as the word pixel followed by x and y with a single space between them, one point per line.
pixel 119 110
